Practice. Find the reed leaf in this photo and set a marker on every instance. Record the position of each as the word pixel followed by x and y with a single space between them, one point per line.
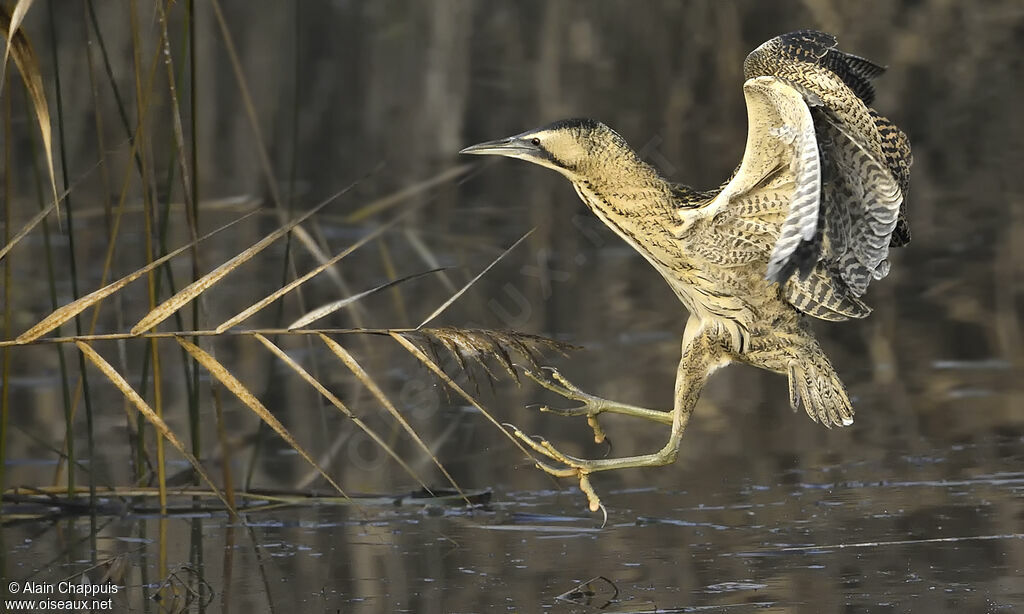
pixel 439 372
pixel 168 307
pixel 20 49
pixel 312 381
pixel 349 361
pixel 259 305
pixel 41 215
pixel 158 423
pixel 13 23
pixel 415 241
pixel 383 204
pixel 27 228
pixel 229 381
pixel 325 310
pixel 462 290
pixel 70 310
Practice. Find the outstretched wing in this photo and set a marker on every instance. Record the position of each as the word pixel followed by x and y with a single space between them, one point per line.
pixel 775 193
pixel 821 187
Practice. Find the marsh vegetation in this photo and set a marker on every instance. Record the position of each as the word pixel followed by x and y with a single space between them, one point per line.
pixel 208 462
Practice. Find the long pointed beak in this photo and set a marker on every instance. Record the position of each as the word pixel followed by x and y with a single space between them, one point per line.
pixel 511 146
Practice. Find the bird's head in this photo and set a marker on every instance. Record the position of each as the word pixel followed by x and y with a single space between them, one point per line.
pixel 573 147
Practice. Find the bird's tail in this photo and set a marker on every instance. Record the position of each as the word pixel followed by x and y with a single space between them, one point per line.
pixel 814 384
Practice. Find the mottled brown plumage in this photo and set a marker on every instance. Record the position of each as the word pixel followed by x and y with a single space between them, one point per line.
pixel 800 229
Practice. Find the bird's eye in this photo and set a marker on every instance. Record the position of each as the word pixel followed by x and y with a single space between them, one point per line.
pixel 535 142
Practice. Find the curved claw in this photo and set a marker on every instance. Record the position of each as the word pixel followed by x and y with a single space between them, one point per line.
pixel 575 467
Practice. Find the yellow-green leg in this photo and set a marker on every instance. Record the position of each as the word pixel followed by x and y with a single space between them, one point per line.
pixel 592 406
pixel 702 352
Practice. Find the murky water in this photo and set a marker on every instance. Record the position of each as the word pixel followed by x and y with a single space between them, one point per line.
pixel 916 507
pixel 923 532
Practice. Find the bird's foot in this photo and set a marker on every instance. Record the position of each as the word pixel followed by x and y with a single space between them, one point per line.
pixel 591 406
pixel 579 468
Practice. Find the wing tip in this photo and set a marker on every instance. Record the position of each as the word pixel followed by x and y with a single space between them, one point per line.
pixel 822 49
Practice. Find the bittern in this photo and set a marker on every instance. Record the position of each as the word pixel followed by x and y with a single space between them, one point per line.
pixel 800 229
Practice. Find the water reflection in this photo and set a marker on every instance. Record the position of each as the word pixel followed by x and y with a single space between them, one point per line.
pixel 918 503
pixel 941 537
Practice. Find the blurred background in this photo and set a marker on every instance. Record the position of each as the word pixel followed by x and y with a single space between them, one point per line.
pixel 916 506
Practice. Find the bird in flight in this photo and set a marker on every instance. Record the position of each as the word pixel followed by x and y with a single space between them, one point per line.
pixel 800 229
